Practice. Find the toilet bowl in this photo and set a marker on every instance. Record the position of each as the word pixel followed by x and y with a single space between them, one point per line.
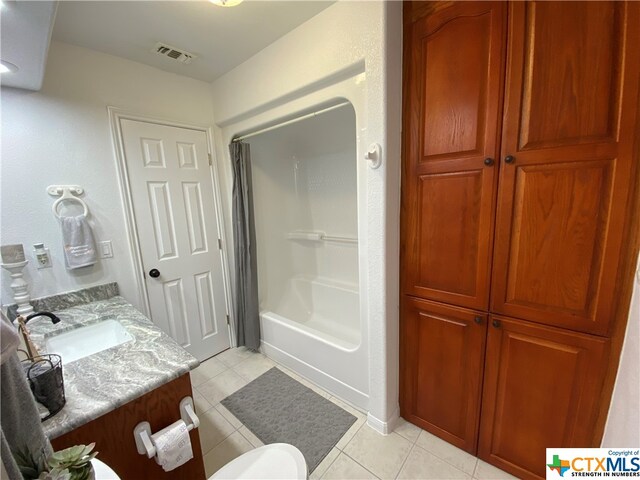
pixel 275 461
pixel 102 471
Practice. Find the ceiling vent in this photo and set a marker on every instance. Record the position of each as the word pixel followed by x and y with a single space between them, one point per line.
pixel 173 53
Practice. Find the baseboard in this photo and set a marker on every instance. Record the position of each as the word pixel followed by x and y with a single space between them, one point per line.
pixel 385 428
pixel 336 387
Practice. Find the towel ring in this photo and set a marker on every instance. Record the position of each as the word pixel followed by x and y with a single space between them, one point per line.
pixel 67 192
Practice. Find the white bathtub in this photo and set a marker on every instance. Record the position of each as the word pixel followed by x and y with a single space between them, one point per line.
pixel 315 329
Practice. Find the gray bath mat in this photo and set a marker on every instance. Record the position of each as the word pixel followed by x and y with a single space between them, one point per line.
pixel 276 408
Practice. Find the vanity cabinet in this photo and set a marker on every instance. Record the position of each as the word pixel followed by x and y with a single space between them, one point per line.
pixel 520 152
pixel 113 434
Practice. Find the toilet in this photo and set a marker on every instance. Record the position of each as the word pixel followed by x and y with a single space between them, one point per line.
pixel 102 471
pixel 274 461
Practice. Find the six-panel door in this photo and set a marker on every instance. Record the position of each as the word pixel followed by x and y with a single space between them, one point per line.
pixel 567 153
pixel 541 389
pixel 451 115
pixel 177 228
pixel 441 369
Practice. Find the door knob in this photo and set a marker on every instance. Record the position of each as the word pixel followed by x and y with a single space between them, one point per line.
pixel 496 323
pixel 509 159
pixel 488 161
pixel 154 273
pixel 478 319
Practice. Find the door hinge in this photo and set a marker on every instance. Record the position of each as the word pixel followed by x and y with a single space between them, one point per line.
pixel 210 159
pixel 220 243
pixel 228 319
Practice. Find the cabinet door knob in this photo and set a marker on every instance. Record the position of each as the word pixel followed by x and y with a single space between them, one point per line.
pixel 496 323
pixel 509 159
pixel 478 319
pixel 488 161
pixel 154 273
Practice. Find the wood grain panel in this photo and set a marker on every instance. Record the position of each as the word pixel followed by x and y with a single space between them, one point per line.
pixel 448 193
pixel 541 388
pixel 449 247
pixel 560 218
pixel 443 350
pixel 413 11
pixel 455 86
pixel 558 238
pixel 572 73
pixel 113 434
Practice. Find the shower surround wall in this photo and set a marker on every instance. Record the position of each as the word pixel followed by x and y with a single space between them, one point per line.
pixel 305 196
pixel 358 43
pixel 304 181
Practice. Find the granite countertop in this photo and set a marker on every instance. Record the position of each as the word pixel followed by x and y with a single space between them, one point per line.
pixel 104 381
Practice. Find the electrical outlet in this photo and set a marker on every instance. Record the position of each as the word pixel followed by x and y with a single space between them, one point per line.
pixel 43 258
pixel 105 250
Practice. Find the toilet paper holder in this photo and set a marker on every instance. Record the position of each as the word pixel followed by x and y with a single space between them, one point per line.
pixel 142 431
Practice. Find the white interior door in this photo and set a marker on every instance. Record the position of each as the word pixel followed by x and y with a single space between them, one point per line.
pixel 173 201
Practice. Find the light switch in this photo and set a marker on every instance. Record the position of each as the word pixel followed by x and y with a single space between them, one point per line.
pixel 105 249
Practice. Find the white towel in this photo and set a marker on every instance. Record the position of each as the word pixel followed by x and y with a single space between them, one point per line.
pixel 77 237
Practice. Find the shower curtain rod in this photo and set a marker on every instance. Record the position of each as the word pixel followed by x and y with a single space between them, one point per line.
pixel 289 122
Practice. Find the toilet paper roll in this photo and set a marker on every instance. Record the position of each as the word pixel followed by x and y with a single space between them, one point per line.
pixel 173 446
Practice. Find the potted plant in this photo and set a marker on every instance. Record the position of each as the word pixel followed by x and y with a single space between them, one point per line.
pixel 75 460
pixel 73 463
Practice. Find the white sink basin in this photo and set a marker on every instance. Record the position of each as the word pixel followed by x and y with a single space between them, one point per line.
pixel 84 341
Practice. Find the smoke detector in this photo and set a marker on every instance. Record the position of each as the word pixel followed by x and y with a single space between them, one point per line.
pixel 174 53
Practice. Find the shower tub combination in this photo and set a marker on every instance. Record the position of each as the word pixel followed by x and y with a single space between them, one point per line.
pixel 305 196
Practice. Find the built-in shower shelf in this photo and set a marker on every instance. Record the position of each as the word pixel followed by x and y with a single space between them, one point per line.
pixel 320 237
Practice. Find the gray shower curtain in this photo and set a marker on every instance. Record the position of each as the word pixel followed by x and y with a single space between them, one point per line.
pixel 244 241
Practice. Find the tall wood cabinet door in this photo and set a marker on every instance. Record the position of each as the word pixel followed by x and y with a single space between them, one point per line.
pixel 541 389
pixel 441 369
pixel 568 159
pixel 452 107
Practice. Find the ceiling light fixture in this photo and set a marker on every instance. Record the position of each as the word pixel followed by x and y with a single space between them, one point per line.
pixel 7 67
pixel 226 3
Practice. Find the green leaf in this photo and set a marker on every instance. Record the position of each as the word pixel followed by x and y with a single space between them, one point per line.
pixel 72 457
pixel 55 474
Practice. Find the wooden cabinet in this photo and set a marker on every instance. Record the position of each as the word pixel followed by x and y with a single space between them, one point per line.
pixel 451 113
pixel 520 155
pixel 569 126
pixel 541 389
pixel 113 435
pixel 444 348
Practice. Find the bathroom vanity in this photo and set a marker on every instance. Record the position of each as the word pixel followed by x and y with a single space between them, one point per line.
pixel 113 434
pixel 142 378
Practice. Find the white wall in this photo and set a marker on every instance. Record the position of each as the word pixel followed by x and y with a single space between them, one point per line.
pixel 61 135
pixel 304 179
pixel 623 423
pixel 342 41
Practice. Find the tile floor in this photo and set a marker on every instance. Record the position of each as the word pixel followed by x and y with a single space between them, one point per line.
pixel 362 453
